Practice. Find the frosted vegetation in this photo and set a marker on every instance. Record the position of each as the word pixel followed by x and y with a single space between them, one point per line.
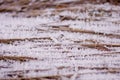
pixel 80 42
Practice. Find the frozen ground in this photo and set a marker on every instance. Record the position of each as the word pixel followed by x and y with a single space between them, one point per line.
pixel 75 43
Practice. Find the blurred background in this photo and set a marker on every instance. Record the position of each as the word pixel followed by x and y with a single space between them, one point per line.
pixel 32 8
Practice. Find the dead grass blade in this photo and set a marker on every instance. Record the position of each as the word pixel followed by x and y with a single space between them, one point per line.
pixel 95 33
pixel 54 77
pixel 17 58
pixel 44 78
pixel 8 41
pixel 107 45
pixel 85 31
pixel 101 46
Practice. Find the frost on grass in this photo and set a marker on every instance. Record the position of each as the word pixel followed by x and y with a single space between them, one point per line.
pixel 73 43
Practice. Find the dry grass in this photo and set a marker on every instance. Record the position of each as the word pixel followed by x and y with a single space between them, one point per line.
pixel 38 78
pixel 101 46
pixel 17 58
pixel 9 41
pixel 59 77
pixel 66 28
pixel 65 50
